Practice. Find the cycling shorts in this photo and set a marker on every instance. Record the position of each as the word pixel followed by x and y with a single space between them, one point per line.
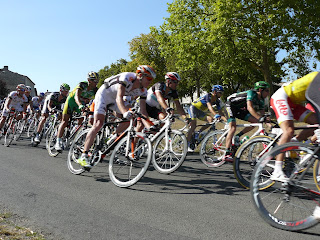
pixel 286 110
pixel 234 113
pixel 195 113
pixel 70 106
pixel 18 109
pixel 153 112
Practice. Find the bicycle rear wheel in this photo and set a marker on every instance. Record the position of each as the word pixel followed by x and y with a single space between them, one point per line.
pixel 212 151
pixel 125 171
pixel 246 158
pixel 169 151
pixel 289 205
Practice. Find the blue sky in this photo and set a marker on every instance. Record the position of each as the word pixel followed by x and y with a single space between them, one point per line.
pixel 59 41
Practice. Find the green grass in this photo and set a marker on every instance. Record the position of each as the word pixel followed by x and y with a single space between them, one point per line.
pixel 12 231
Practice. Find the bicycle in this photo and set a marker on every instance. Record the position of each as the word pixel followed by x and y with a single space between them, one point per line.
pixel 252 150
pixel 288 205
pixel 72 129
pixel 12 129
pixel 170 145
pixel 131 156
pixel 212 149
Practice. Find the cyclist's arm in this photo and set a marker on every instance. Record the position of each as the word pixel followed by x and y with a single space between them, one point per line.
pixel 251 110
pixel 180 109
pixel 210 108
pixel 161 100
pixel 77 96
pixel 119 99
pixel 7 103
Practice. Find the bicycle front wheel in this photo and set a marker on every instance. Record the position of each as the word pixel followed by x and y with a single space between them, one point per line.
pixel 52 141
pixel 247 156
pixel 169 151
pixel 8 138
pixel 316 173
pixel 125 171
pixel 287 205
pixel 213 149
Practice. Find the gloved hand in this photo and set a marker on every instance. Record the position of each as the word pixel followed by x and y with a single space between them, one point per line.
pixel 217 116
pixel 128 114
pixel 187 120
pixel 169 110
pixel 81 107
pixel 262 119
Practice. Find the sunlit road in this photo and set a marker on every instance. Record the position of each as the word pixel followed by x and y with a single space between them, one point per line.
pixel 192 203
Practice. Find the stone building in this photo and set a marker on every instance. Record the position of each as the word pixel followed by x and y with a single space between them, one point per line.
pixel 12 79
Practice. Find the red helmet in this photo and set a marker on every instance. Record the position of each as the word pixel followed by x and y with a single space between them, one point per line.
pixel 173 76
pixel 146 69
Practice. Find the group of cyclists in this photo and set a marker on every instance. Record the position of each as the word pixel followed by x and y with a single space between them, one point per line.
pixel 121 92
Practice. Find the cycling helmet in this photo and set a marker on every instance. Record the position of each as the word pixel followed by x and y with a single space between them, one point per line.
pixel 41 94
pixel 21 87
pixel 146 69
pixel 261 84
pixel 217 88
pixel 28 89
pixel 93 75
pixel 64 87
pixel 172 76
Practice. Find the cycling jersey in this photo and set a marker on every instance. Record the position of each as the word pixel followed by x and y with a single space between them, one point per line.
pixel 161 87
pixel 236 104
pixel 201 102
pixel 54 98
pixel 85 97
pixel 296 90
pixel 107 93
pixel 36 103
pixel 16 102
pixel 288 101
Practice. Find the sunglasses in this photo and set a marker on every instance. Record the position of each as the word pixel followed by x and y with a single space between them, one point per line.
pixel 175 81
pixel 148 77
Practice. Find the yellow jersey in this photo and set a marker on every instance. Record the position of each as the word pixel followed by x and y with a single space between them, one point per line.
pixel 296 90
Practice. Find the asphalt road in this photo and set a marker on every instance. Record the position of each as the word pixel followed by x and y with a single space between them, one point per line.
pixel 192 203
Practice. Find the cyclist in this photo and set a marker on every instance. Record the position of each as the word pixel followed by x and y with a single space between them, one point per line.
pixel 242 105
pixel 156 105
pixel 288 103
pixel 54 100
pixel 76 101
pixel 28 103
pixel 111 94
pixel 16 100
pixel 37 103
pixel 199 108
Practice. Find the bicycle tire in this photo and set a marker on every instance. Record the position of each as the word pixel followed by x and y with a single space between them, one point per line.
pixel 287 206
pixel 9 136
pixel 124 172
pixel 19 129
pixel 76 150
pixel 52 141
pixel 246 159
pixel 168 160
pixel 210 154
pixel 32 128
pixel 316 173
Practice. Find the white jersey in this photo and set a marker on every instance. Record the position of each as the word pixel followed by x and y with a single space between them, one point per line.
pixel 107 93
pixel 36 102
pixel 16 100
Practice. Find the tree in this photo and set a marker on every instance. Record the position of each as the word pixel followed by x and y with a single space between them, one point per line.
pixel 236 42
pixel 113 69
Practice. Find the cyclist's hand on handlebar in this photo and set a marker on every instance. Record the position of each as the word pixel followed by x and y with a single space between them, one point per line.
pixel 187 120
pixel 169 110
pixel 128 114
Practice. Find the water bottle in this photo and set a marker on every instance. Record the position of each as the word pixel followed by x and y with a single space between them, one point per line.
pixel 245 138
